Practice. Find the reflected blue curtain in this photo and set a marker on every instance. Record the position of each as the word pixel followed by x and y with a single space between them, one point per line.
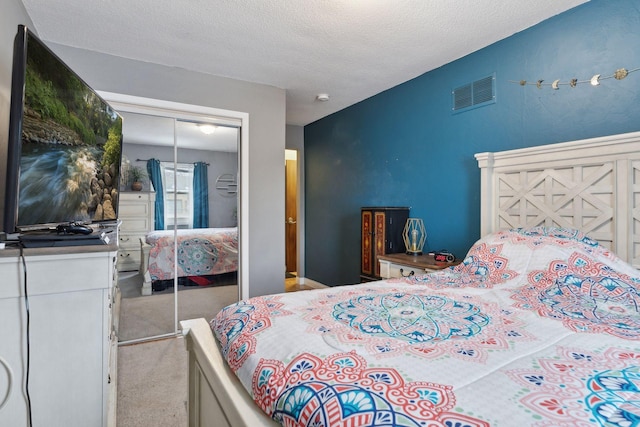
pixel 200 196
pixel 155 175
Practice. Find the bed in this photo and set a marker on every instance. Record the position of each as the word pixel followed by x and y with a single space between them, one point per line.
pixel 539 325
pixel 200 252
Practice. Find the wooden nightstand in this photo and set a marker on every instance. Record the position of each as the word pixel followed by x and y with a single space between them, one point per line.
pixel 403 265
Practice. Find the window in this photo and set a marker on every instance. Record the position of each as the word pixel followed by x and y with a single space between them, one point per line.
pixel 177 183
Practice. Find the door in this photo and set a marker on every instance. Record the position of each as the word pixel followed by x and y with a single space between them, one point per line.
pixel 291 208
pixel 206 200
pixel 157 314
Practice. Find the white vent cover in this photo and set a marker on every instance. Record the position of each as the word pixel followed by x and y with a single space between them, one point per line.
pixel 476 94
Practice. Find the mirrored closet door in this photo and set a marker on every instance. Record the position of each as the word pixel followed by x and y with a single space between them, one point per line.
pixel 142 314
pixel 204 214
pixel 179 236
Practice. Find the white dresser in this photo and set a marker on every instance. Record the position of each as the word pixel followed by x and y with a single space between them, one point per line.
pixel 71 292
pixel 136 212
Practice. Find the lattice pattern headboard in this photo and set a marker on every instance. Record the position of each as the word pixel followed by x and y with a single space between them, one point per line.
pixel 592 185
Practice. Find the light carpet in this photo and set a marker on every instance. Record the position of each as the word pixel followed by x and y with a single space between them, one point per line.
pixel 152 315
pixel 152 376
pixel 153 384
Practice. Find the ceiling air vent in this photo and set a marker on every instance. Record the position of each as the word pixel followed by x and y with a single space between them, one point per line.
pixel 473 95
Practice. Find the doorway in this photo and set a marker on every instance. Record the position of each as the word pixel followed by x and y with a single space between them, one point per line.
pixel 180 118
pixel 291 213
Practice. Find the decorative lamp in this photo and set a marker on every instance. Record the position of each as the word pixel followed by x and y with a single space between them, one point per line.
pixel 414 236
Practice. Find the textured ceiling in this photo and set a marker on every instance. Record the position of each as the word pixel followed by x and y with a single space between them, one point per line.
pixel 349 49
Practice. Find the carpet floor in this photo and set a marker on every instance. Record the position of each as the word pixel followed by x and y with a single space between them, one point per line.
pixel 152 384
pixel 152 376
pixel 154 314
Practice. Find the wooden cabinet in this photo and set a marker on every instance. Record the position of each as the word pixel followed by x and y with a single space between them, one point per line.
pixel 404 265
pixel 62 319
pixel 381 233
pixel 136 212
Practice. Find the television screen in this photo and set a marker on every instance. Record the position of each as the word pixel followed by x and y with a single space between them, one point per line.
pixel 65 144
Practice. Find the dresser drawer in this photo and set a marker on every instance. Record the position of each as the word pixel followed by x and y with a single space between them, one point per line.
pixel 130 241
pixel 137 219
pixel 130 224
pixel 128 260
pixel 128 209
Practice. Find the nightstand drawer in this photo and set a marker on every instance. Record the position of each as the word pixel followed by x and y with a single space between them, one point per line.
pixel 388 270
pixel 403 265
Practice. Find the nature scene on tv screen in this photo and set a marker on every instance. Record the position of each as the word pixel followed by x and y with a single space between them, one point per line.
pixel 71 140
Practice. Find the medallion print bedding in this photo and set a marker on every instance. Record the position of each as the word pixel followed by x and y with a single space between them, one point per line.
pixel 535 327
pixel 200 252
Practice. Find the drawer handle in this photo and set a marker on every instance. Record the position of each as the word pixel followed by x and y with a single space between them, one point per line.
pixel 122 239
pixel 411 273
pixel 125 255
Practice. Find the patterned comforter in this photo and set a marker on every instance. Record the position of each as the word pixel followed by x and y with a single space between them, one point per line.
pixel 200 252
pixel 537 327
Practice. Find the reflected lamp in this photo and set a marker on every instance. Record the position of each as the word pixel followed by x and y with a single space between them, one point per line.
pixel 414 236
pixel 207 128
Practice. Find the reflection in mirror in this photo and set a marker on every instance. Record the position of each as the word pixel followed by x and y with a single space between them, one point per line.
pixel 182 195
pixel 205 217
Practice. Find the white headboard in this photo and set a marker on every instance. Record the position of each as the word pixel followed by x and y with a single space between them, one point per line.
pixel 592 185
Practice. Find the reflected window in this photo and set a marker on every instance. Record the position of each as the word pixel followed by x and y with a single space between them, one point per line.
pixel 177 183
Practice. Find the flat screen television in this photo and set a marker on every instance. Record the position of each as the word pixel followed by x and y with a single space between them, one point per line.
pixel 64 147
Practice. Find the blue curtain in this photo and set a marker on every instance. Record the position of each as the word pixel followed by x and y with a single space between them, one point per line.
pixel 200 196
pixel 155 175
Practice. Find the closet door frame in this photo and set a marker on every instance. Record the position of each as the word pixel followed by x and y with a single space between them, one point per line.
pixel 189 112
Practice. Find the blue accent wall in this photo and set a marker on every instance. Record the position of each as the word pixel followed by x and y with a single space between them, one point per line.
pixel 405 147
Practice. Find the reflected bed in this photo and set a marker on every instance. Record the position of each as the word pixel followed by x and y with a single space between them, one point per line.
pixel 200 252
